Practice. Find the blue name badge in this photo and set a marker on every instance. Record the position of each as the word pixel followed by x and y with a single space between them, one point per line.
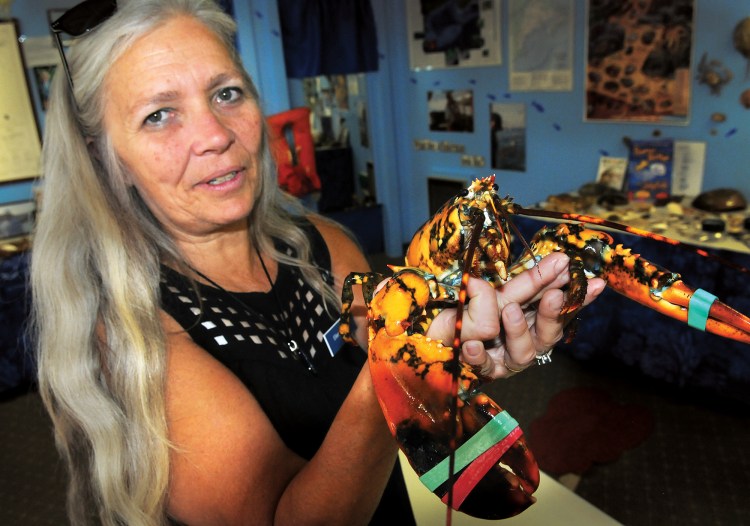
pixel 333 339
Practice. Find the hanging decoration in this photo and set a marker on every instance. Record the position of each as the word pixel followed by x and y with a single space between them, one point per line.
pixel 714 74
pixel 742 41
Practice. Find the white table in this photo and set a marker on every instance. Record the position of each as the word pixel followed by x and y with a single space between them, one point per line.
pixel 556 505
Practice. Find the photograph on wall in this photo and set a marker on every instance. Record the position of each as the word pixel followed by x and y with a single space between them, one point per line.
pixel 508 136
pixel 453 33
pixel 638 63
pixel 16 219
pixel 540 45
pixel 451 110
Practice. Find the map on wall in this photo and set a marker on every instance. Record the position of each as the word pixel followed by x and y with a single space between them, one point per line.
pixel 453 33
pixel 540 35
pixel 20 146
pixel 639 61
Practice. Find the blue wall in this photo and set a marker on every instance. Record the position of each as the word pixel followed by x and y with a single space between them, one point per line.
pixel 562 150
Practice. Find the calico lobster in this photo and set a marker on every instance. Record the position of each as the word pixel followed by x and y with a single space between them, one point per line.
pixel 464 446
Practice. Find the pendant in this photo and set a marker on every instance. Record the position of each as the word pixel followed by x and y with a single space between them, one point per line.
pixel 294 348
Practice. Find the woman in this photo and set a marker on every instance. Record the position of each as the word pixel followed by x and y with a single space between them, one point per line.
pixel 179 297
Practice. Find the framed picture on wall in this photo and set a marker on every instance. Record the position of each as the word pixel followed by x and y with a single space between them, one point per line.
pixel 508 136
pixel 451 110
pixel 540 36
pixel 20 143
pixel 453 33
pixel 16 220
pixel 639 61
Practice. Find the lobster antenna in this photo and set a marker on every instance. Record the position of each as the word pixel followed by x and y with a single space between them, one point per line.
pixel 526 247
pixel 456 366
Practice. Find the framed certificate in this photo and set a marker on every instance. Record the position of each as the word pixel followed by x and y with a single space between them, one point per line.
pixel 20 143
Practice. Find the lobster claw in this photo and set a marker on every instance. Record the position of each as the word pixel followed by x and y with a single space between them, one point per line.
pixel 703 311
pixel 666 293
pixel 594 253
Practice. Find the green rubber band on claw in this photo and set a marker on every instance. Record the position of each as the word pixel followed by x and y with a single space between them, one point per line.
pixel 493 432
pixel 698 308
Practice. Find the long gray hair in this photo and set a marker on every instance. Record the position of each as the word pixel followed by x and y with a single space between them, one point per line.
pixel 95 281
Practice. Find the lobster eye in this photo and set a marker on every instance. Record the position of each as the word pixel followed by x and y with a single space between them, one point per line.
pixel 590 257
pixel 464 192
pixel 495 187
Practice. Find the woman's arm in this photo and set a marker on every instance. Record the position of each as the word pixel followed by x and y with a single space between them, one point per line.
pixel 229 466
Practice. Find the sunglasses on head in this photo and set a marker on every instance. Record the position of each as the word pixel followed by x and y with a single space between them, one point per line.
pixel 78 21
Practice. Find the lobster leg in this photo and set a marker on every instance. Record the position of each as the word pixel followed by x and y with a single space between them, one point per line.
pixel 594 253
pixel 368 281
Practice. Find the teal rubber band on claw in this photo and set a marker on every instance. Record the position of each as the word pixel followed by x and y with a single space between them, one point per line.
pixel 493 432
pixel 698 309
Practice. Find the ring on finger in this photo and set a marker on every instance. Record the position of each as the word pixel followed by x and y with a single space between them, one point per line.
pixel 545 357
pixel 509 368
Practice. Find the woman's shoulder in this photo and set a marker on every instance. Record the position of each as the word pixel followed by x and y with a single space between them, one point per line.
pixel 334 234
pixel 346 254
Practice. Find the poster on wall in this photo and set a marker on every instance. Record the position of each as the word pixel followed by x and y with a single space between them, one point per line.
pixel 451 110
pixel 20 145
pixel 453 33
pixel 638 63
pixel 649 174
pixel 688 166
pixel 508 136
pixel 540 36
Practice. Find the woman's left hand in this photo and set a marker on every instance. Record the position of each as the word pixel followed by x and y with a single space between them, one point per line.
pixel 527 331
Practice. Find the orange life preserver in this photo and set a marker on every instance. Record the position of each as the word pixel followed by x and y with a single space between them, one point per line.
pixel 294 151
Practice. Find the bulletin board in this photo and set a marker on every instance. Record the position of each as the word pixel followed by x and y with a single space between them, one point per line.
pixel 20 144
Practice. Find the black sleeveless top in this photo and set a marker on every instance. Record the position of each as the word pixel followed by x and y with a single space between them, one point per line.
pixel 247 333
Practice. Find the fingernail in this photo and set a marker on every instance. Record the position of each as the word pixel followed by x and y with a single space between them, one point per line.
pixel 561 265
pixel 472 348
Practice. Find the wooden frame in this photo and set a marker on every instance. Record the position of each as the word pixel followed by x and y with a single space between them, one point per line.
pixel 20 141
